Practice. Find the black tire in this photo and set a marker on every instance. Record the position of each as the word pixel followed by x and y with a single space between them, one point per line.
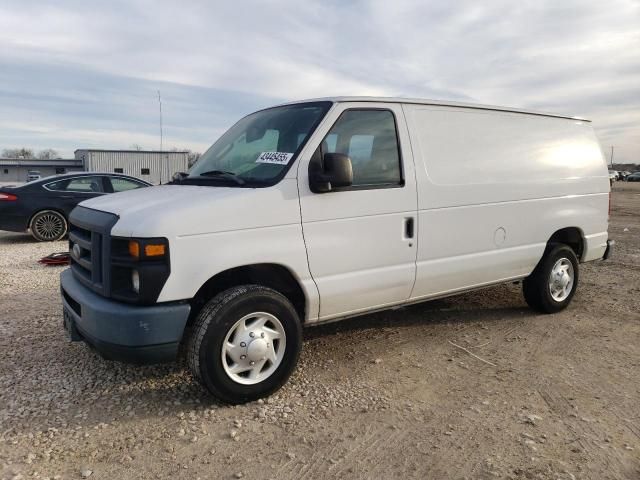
pixel 536 288
pixel 48 226
pixel 214 322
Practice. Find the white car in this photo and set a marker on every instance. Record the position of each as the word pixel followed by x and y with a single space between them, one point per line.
pixel 33 175
pixel 315 211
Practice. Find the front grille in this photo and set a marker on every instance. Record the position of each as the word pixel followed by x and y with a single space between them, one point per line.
pixel 86 252
pixel 89 246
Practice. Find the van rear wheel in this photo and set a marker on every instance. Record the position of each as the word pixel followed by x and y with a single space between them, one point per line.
pixel 245 343
pixel 553 282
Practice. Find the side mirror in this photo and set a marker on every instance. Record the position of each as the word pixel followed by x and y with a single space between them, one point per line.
pixel 178 177
pixel 335 172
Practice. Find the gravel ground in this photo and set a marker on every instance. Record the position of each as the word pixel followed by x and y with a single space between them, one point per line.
pixel 380 396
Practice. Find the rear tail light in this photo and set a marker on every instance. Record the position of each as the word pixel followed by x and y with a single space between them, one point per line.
pixel 7 197
pixel 609 203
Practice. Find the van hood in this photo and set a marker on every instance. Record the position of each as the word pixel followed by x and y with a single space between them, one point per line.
pixel 159 197
pixel 182 210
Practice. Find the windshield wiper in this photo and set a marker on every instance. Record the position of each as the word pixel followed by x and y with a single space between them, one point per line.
pixel 222 174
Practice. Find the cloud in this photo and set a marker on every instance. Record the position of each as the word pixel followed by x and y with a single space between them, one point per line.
pixel 77 66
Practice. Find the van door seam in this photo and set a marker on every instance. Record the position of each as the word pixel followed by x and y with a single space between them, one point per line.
pixel 416 239
pixel 304 240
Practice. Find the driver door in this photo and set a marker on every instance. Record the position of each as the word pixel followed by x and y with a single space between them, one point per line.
pixel 361 240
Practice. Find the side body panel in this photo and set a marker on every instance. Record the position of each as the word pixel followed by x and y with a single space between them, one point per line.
pixel 494 187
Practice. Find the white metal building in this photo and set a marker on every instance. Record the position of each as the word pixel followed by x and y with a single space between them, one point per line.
pixel 153 166
pixel 17 170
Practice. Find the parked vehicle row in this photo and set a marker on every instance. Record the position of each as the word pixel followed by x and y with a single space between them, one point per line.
pixel 42 206
pixel 315 211
pixel 616 175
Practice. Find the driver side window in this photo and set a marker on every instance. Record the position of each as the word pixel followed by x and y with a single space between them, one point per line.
pixel 370 139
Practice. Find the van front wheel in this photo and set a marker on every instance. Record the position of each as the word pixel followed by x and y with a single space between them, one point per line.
pixel 552 284
pixel 245 343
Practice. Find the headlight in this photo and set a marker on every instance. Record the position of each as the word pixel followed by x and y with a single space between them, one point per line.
pixel 139 269
pixel 135 281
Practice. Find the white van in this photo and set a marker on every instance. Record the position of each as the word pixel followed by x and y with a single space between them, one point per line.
pixel 319 210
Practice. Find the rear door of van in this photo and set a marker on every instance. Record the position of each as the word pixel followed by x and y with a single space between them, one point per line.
pixel 361 240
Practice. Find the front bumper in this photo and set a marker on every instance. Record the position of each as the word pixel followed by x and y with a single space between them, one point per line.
pixel 118 331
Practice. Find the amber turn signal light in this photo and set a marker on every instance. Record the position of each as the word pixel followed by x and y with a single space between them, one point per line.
pixel 154 250
pixel 134 249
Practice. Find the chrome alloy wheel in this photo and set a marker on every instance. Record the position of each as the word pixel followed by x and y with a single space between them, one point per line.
pixel 253 348
pixel 561 279
pixel 49 226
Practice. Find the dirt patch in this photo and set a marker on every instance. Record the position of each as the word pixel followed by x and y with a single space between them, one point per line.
pixel 380 396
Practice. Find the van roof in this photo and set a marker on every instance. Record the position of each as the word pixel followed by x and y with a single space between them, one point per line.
pixel 422 101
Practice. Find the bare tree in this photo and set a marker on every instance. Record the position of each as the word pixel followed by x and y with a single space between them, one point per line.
pixel 48 154
pixel 192 157
pixel 135 146
pixel 17 153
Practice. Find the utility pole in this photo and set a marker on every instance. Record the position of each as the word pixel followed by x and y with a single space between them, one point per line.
pixel 160 104
pixel 611 159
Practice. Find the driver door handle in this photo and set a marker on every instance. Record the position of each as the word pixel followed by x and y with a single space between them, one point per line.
pixel 408 227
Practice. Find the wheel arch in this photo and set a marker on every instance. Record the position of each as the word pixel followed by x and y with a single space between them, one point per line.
pixel 570 236
pixel 271 275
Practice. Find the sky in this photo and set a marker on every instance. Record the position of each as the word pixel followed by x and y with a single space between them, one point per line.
pixel 85 74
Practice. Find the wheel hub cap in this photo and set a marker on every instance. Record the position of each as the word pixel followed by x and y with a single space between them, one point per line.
pixel 561 280
pixel 253 348
pixel 257 350
pixel 49 226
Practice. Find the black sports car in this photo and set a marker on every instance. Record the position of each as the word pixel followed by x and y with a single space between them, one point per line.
pixel 43 206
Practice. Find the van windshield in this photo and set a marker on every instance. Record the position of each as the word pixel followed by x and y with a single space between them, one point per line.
pixel 258 150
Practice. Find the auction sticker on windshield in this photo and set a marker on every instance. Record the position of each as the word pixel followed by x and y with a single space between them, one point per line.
pixel 278 158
